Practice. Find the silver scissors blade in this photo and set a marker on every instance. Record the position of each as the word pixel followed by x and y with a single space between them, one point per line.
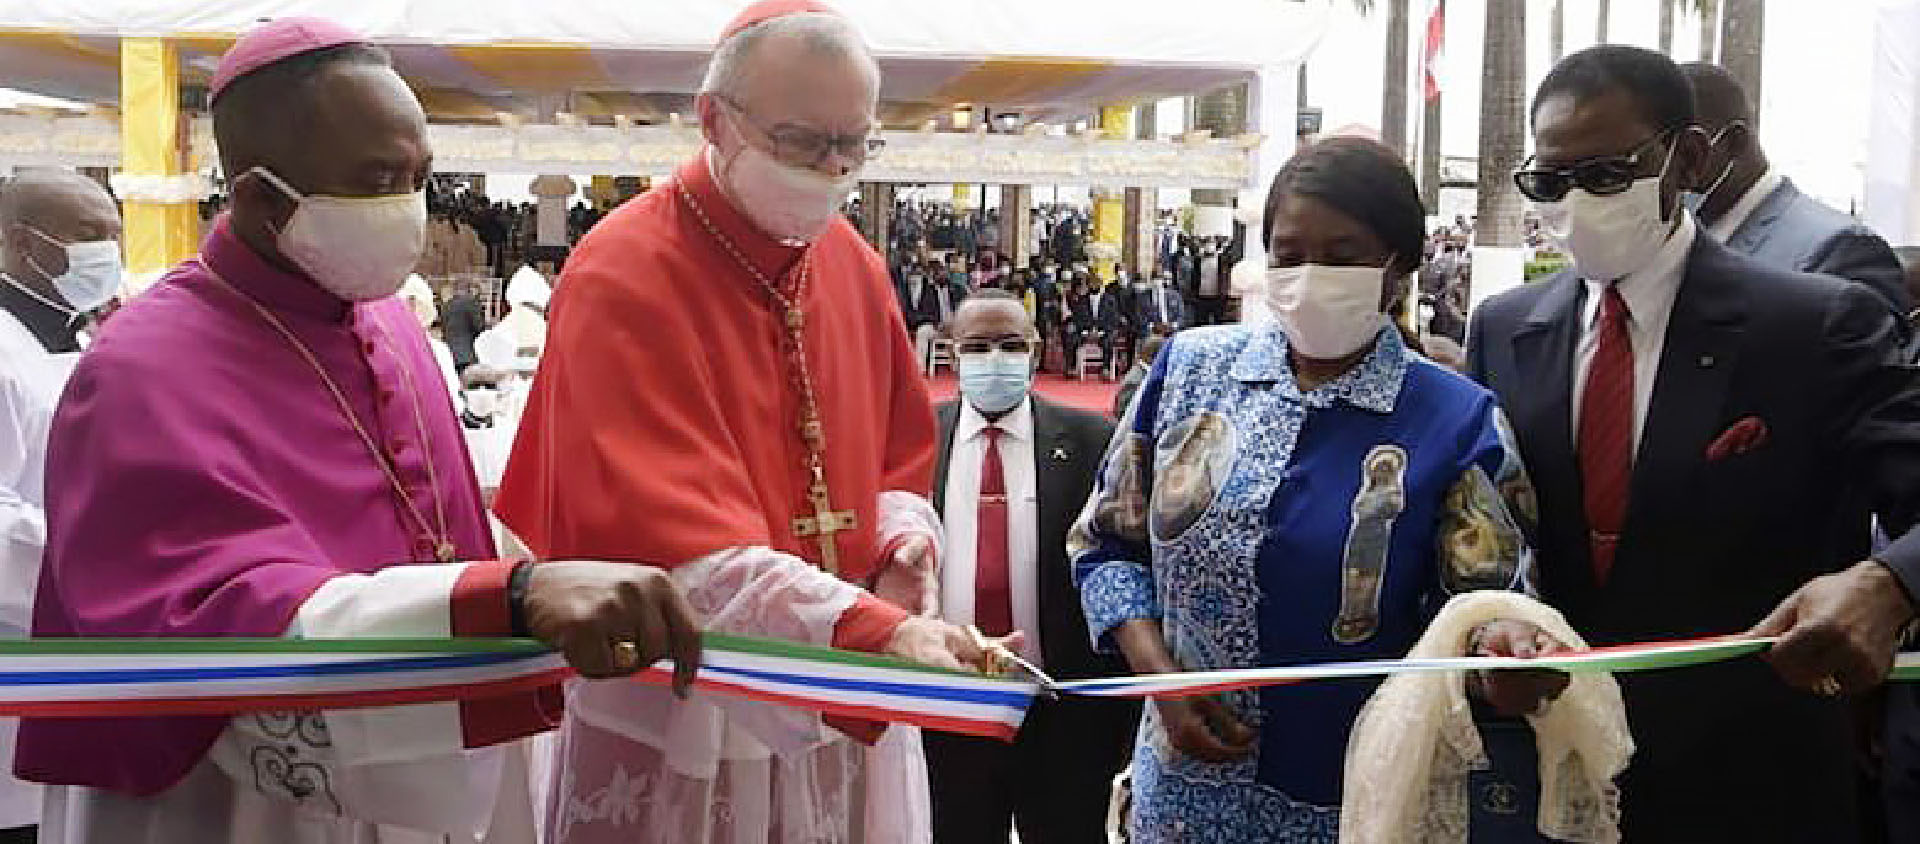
pixel 1047 685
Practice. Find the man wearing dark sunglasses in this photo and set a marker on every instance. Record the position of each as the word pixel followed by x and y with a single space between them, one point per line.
pixel 1708 436
pixel 1747 204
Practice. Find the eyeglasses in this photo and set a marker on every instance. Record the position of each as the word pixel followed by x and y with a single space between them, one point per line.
pixel 1603 175
pixel 799 146
pixel 1010 345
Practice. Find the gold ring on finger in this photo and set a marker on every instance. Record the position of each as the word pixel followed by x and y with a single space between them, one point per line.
pixel 626 654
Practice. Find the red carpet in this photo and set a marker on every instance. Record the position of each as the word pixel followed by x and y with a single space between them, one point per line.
pixel 1095 395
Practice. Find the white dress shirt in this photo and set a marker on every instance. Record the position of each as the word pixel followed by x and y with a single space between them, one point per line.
pixel 1023 519
pixel 1730 222
pixel 1649 296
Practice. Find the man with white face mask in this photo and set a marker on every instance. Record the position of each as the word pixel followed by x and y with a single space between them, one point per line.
pixel 727 390
pixel 259 446
pixel 1708 436
pixel 62 260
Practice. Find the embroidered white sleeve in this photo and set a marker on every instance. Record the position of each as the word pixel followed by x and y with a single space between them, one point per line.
pixel 399 601
pixel 400 765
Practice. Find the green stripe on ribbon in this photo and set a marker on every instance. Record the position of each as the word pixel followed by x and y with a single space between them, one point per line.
pixel 101 646
pixel 1698 654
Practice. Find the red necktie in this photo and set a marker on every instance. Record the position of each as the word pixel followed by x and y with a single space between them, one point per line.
pixel 1606 433
pixel 992 595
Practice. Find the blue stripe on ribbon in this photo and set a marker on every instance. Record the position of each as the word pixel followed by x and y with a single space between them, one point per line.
pixel 1012 698
pixel 82 677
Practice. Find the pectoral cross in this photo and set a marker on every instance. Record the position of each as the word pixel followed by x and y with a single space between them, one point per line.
pixel 824 523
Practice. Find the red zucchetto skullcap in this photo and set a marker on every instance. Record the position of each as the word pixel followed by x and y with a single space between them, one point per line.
pixel 767 10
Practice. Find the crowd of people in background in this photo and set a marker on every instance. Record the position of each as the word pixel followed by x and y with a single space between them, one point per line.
pixel 1085 313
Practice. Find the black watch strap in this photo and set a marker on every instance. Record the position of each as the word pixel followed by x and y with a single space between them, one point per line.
pixel 517 598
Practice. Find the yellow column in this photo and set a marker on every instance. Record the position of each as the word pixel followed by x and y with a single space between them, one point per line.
pixel 963 197
pixel 1109 203
pixel 603 192
pixel 152 143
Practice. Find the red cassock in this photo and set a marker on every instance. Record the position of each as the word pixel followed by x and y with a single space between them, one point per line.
pixel 662 426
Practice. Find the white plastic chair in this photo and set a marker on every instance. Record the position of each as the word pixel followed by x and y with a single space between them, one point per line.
pixel 1088 359
pixel 939 353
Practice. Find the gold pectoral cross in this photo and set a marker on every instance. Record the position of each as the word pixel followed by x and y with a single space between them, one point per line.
pixel 824 523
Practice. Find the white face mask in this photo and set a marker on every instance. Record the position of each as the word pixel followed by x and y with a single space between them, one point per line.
pixel 1327 312
pixel 788 203
pixel 1610 237
pixel 93 272
pixel 358 248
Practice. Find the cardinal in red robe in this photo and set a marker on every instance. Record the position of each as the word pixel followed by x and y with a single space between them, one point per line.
pixel 726 390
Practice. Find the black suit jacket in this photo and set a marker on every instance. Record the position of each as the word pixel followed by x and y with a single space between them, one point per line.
pixel 1145 303
pixel 1079 312
pixel 1726 752
pixel 1067 448
pixel 1114 313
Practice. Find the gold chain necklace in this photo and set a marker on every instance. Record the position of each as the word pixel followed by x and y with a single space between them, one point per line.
pixel 825 521
pixel 444 549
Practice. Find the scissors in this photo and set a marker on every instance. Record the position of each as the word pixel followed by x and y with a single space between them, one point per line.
pixel 1003 657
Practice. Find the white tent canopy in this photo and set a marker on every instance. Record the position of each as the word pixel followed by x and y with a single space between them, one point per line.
pixel 1242 34
pixel 472 58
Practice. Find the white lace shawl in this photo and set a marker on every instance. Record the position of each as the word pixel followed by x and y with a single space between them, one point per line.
pixel 1415 742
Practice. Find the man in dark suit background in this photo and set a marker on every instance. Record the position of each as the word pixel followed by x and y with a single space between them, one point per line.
pixel 933 298
pixel 1159 308
pixel 1013 472
pixel 1757 211
pixel 1111 304
pixel 460 323
pixel 1707 436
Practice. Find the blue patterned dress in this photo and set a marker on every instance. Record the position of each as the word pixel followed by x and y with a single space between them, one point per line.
pixel 1262 525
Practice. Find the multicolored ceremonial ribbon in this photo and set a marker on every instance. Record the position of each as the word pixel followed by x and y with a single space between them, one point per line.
pixel 113 677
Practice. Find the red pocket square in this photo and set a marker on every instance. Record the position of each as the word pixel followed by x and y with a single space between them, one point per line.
pixel 1745 435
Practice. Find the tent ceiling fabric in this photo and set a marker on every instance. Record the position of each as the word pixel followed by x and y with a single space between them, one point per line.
pixel 469 58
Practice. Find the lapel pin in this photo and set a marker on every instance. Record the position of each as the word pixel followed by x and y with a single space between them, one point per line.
pixel 1706 361
pixel 1060 453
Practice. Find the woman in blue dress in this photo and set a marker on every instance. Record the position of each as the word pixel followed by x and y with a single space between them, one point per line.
pixel 1298 491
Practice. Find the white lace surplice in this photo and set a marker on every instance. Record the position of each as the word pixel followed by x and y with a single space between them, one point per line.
pixel 637 766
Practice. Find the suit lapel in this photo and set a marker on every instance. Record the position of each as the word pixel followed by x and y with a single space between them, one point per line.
pixel 1689 399
pixel 1758 226
pixel 1541 410
pixel 949 416
pixel 1053 461
pixel 1049 440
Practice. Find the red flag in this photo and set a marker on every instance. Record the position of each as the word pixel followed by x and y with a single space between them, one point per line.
pixel 1436 42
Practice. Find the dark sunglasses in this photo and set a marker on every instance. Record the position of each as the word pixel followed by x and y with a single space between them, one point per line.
pixel 1603 175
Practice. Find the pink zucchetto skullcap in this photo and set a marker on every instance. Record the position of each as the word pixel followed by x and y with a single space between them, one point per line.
pixel 275 41
pixel 767 10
